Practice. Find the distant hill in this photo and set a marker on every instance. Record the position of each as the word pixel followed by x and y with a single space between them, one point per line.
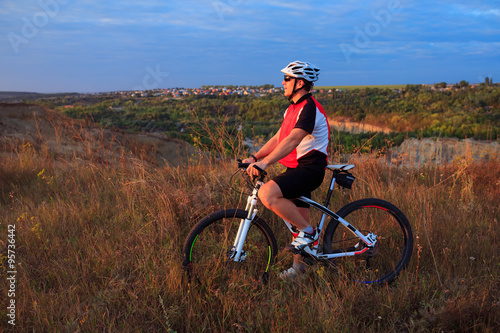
pixel 380 86
pixel 17 96
pixel 24 124
pixel 9 94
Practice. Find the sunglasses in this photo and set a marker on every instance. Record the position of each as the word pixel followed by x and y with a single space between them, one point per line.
pixel 288 78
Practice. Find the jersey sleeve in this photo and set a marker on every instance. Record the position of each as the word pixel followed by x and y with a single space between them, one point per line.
pixel 307 117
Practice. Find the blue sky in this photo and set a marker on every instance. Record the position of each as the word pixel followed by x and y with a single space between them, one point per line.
pixel 93 46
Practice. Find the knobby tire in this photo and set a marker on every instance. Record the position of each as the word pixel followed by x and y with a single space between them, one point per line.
pixel 208 245
pixel 393 249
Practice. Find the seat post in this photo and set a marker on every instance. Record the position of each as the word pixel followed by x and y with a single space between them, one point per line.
pixel 330 190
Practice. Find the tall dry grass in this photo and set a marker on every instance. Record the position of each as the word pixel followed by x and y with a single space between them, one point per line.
pixel 98 248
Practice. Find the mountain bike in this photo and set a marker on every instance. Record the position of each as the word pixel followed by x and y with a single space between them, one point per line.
pixel 367 241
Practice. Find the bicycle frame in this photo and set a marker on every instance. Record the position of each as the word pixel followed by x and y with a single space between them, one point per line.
pixel 237 253
pixel 370 239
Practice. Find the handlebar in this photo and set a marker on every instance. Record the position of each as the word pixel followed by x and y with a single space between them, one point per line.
pixel 246 165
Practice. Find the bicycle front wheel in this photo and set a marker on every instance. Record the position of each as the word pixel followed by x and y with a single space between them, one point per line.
pixel 393 248
pixel 208 250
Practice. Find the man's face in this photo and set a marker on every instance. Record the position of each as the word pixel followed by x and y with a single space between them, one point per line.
pixel 288 83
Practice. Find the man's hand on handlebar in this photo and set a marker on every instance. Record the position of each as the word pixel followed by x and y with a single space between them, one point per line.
pixel 253 169
pixel 256 168
pixel 249 160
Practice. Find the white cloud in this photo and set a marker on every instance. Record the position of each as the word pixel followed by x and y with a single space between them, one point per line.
pixel 202 36
pixel 477 12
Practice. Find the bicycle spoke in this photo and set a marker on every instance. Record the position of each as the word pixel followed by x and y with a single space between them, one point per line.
pixel 391 252
pixel 209 253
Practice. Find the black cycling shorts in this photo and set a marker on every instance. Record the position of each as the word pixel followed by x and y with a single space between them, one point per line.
pixel 300 181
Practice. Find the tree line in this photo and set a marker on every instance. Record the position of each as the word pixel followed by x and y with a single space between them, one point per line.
pixel 415 111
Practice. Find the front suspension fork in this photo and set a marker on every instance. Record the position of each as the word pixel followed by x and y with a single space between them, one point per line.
pixel 237 253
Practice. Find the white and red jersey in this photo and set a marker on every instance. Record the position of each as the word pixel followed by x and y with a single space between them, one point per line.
pixel 306 114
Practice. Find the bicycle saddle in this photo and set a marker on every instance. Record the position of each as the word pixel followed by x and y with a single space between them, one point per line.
pixel 341 167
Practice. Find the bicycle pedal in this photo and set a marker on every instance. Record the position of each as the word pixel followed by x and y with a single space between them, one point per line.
pixel 308 259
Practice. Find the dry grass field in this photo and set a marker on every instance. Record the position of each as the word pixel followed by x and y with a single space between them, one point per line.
pixel 99 229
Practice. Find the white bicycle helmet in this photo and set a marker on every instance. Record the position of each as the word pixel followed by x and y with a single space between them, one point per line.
pixel 302 70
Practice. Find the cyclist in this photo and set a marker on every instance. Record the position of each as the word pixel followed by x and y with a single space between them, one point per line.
pixel 301 146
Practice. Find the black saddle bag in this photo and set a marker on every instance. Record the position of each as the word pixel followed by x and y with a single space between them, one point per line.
pixel 345 179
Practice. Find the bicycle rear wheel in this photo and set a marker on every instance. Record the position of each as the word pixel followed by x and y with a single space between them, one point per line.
pixel 208 250
pixel 393 248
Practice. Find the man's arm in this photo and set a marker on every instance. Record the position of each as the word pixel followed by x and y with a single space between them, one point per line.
pixel 268 147
pixel 282 149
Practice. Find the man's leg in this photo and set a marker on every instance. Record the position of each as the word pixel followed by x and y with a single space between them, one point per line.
pixel 305 213
pixel 270 195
